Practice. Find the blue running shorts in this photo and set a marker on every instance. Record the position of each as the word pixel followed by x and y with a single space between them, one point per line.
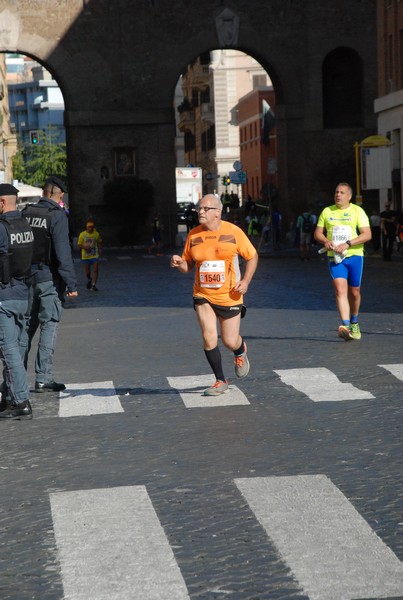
pixel 350 268
pixel 89 261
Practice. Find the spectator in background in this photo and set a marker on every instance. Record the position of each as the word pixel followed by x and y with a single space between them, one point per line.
pixel 156 239
pixel 305 227
pixel 399 231
pixel 388 227
pixel 246 210
pixel 254 228
pixel 191 218
pixel 90 243
pixel 276 220
pixel 375 220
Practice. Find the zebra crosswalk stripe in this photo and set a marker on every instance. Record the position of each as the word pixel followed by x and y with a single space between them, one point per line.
pixel 318 383
pixel 321 385
pixel 331 549
pixel 191 390
pixel 111 546
pixel 395 369
pixel 85 399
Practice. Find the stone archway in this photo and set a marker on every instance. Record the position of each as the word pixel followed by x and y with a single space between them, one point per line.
pixel 117 68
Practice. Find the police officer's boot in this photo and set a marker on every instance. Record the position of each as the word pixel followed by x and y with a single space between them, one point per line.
pixel 22 410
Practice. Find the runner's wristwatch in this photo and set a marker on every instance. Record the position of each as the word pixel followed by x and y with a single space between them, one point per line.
pixel 348 243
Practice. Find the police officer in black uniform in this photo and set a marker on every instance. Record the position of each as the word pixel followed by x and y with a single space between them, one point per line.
pixel 16 248
pixel 53 273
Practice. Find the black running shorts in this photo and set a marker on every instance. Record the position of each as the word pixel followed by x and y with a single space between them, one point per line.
pixel 225 312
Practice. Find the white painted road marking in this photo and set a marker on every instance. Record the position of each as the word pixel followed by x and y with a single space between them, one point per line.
pixel 321 385
pixel 85 399
pixel 331 549
pixel 112 546
pixel 396 370
pixel 191 389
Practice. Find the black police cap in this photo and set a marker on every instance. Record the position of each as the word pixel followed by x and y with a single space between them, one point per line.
pixel 56 182
pixel 6 189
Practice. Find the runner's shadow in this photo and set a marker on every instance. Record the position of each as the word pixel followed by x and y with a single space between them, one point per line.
pixel 285 338
pixel 141 391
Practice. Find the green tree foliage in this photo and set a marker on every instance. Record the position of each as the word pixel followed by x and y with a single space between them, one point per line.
pixel 18 166
pixel 130 201
pixel 33 163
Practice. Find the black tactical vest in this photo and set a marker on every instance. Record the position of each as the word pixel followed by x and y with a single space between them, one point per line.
pixel 16 264
pixel 39 217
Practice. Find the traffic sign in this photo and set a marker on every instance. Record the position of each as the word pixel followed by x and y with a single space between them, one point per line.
pixel 237 177
pixel 272 166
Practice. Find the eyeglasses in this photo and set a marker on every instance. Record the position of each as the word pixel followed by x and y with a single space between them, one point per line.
pixel 206 208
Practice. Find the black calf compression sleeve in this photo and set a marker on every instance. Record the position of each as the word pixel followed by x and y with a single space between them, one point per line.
pixel 214 358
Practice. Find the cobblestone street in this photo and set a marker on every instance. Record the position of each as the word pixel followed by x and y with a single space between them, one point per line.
pixel 119 488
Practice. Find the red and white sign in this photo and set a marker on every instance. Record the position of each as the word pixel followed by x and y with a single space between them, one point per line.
pixel 188 173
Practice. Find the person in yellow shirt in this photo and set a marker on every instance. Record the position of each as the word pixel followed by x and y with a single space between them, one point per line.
pixel 90 243
pixel 343 229
pixel 213 248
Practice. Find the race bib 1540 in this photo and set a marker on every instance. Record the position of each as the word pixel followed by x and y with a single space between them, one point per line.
pixel 212 273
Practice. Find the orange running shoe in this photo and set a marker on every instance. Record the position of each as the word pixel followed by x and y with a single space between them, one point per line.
pixel 242 364
pixel 219 387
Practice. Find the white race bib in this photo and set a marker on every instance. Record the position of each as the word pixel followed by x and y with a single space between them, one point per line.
pixel 212 273
pixel 340 234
